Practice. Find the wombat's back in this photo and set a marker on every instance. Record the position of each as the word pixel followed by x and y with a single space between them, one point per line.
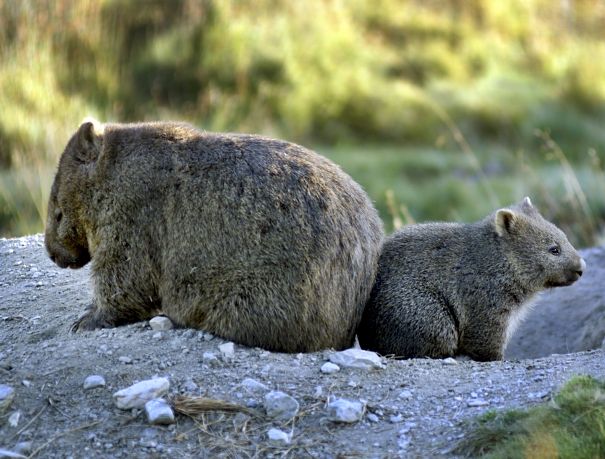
pixel 256 240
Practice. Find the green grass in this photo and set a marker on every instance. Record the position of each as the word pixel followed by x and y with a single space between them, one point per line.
pixel 571 426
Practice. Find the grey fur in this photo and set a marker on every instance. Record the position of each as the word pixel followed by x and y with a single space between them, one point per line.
pixel 256 240
pixel 445 289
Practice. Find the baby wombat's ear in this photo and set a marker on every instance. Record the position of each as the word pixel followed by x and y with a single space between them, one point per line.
pixel 505 221
pixel 89 140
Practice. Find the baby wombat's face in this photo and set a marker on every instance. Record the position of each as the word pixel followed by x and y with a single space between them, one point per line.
pixel 540 252
pixel 65 235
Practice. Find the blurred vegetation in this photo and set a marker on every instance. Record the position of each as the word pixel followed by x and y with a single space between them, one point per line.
pixel 441 109
pixel 571 426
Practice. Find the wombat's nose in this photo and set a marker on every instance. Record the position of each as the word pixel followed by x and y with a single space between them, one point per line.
pixel 582 267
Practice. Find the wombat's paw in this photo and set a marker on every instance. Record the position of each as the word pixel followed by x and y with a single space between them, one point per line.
pixel 89 321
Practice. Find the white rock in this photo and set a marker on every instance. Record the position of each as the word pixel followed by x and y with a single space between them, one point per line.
pixel 93 381
pixel 280 436
pixel 342 410
pixel 450 361
pixel 280 406
pixel 329 368
pixel 252 385
pixel 357 358
pixel 395 419
pixel 7 394
pixel 477 402
pixel 161 323
pixel 227 350
pixel 210 358
pixel 158 411
pixel 125 359
pixel 405 394
pixel 140 393
pixel 14 418
pixel 372 417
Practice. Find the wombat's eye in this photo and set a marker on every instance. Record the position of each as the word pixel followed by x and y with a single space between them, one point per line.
pixel 58 216
pixel 555 250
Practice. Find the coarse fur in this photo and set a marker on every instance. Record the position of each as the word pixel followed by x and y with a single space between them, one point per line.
pixel 446 289
pixel 256 240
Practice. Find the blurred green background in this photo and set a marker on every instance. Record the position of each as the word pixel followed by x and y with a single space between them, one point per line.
pixel 442 110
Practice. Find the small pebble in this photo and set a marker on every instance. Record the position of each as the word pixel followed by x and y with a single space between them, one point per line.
pixel 405 394
pixel 125 359
pixel 329 368
pixel 477 402
pixel 158 411
pixel 24 447
pixel 450 361
pixel 395 419
pixel 279 436
pixel 372 417
pixel 161 323
pixel 14 418
pixel 252 385
pixel 342 410
pixel 227 350
pixel 280 406
pixel 210 358
pixel 93 381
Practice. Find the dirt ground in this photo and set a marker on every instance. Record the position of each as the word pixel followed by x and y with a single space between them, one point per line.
pixel 414 408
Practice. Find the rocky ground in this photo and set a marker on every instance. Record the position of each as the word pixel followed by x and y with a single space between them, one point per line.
pixel 413 408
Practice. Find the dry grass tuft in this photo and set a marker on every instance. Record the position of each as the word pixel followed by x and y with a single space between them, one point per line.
pixel 194 406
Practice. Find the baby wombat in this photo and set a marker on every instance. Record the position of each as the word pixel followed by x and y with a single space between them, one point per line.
pixel 256 240
pixel 445 289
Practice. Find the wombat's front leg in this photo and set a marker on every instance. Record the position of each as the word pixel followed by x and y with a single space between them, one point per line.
pixel 93 318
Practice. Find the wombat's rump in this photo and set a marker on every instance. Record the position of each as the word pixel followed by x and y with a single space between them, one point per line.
pixel 256 240
pixel 445 289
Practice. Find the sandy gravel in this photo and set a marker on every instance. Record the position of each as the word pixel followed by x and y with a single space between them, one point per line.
pixel 414 408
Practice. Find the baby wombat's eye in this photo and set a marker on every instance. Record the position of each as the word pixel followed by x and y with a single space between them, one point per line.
pixel 58 216
pixel 555 250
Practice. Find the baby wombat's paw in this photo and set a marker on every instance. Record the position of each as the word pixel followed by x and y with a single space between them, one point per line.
pixel 90 321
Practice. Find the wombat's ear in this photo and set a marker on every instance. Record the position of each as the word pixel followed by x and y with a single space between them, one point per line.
pixel 89 141
pixel 526 203
pixel 504 221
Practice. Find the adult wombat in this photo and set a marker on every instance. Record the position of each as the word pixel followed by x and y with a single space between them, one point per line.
pixel 445 289
pixel 259 241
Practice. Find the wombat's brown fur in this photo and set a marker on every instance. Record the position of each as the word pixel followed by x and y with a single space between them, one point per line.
pixel 256 240
pixel 446 289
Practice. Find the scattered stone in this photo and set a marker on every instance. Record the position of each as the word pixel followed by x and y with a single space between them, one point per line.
pixel 252 385
pixel 93 381
pixel 227 350
pixel 125 359
pixel 357 358
pixel 329 368
pixel 26 382
pixel 157 335
pixel 279 436
pixel 372 417
pixel 394 419
pixel 140 393
pixel 161 323
pixel 477 402
pixel 158 411
pixel 210 358
pixel 342 410
pixel 450 361
pixel 13 419
pixel 7 394
pixel 190 386
pixel 280 406
pixel 405 394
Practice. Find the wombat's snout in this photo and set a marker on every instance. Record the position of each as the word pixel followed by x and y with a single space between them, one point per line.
pixel 582 267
